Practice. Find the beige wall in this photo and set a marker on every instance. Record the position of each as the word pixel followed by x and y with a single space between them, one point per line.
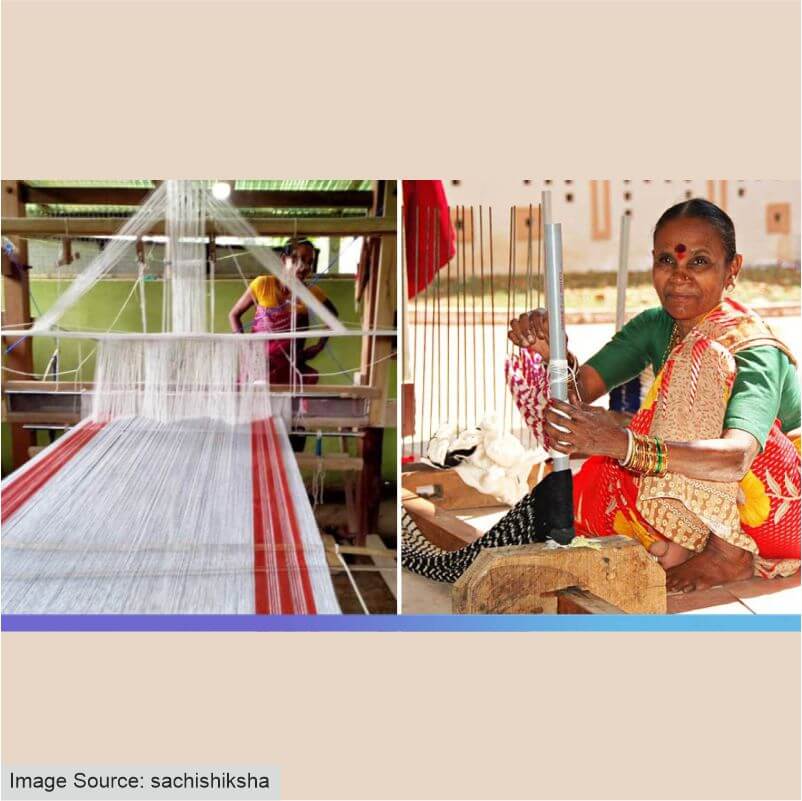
pixel 591 218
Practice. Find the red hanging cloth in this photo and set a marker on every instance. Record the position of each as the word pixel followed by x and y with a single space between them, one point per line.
pixel 429 233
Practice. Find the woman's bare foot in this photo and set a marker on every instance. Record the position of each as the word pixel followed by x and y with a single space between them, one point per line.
pixel 719 563
pixel 669 554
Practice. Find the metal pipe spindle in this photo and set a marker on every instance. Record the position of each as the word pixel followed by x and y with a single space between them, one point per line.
pixel 558 359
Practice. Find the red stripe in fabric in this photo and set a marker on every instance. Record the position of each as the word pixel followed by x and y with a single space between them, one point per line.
pixel 303 569
pixel 16 493
pixel 697 352
pixel 258 469
pixel 279 541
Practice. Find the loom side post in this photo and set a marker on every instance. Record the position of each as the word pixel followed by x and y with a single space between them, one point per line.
pixel 624 398
pixel 623 268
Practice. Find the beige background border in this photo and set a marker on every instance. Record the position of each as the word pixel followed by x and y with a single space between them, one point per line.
pixel 344 715
pixel 644 89
pixel 591 89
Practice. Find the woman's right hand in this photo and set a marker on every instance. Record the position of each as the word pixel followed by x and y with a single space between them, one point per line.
pixel 531 330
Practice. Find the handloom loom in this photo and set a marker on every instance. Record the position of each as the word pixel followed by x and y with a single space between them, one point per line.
pixel 178 490
pixel 610 575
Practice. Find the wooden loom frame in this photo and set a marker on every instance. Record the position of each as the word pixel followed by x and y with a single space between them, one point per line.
pixel 378 311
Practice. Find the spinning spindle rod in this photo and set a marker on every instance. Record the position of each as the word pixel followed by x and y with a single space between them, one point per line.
pixel 558 360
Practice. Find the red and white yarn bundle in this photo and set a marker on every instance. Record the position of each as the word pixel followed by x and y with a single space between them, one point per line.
pixel 528 382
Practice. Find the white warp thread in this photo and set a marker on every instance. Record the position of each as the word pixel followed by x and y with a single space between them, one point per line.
pixel 116 250
pixel 152 518
pixel 186 229
pixel 169 380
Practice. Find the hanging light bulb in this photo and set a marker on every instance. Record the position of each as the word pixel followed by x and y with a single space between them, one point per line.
pixel 221 190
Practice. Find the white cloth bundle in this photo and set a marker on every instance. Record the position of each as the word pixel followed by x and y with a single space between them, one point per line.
pixel 499 465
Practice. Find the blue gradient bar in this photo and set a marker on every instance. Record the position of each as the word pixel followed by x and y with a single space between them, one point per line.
pixel 402 623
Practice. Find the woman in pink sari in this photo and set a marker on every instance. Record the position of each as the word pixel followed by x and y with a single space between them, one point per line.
pixel 288 359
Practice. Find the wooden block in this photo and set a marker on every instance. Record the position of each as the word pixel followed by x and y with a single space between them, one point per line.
pixel 525 579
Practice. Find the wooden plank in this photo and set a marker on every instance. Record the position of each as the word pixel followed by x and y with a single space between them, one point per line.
pixel 439 526
pixel 14 225
pixel 525 579
pixel 737 591
pixel 575 601
pixel 329 390
pixel 46 386
pixel 331 461
pixel 56 418
pixel 453 493
pixel 756 586
pixel 330 423
pixel 450 491
pixel 251 198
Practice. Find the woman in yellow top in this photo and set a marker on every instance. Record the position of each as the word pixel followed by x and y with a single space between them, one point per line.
pixel 274 313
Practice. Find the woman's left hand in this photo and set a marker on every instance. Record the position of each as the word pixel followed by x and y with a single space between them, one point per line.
pixel 586 429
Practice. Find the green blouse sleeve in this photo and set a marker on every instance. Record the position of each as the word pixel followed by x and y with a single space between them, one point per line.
pixel 632 348
pixel 759 395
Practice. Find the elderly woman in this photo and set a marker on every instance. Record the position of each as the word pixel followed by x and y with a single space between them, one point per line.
pixel 705 474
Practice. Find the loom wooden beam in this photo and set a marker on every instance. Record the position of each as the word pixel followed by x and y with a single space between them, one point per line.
pixel 17 297
pixel 378 299
pixel 341 462
pixel 380 309
pixel 329 390
pixel 325 390
pixel 527 579
pixel 54 418
pixel 311 423
pixel 16 225
pixel 61 417
pixel 244 199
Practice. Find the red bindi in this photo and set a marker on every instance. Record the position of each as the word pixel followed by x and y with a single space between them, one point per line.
pixel 680 249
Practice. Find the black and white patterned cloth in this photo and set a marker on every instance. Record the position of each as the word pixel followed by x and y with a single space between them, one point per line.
pixel 418 554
